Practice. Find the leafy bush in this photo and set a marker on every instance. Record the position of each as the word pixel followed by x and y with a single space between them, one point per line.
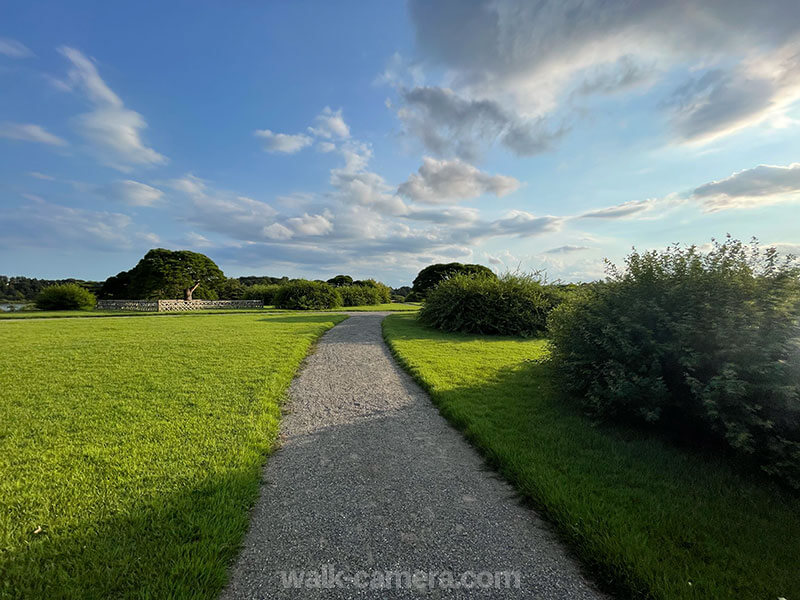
pixel 431 276
pixel 264 292
pixel 69 296
pixel 509 305
pixel 384 292
pixel 305 295
pixel 705 345
pixel 359 295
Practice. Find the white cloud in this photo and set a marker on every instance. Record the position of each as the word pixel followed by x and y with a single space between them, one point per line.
pixel 28 132
pixel 283 142
pixel 515 61
pixel 444 181
pixel 326 146
pixel 448 123
pixel 312 225
pixel 330 124
pixel 60 227
pixel 621 211
pixel 132 193
pixel 276 231
pixel 43 176
pixel 113 130
pixel 759 186
pixel 566 249
pixel 13 48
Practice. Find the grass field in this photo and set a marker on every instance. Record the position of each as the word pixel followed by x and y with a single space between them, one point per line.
pixel 649 519
pixel 57 314
pixel 130 449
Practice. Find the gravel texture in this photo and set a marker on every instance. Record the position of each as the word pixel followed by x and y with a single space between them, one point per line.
pixel 370 478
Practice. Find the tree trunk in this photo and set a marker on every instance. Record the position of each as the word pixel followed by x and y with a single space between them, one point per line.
pixel 188 291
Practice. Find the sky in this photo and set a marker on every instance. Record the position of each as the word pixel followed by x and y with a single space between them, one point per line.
pixel 310 139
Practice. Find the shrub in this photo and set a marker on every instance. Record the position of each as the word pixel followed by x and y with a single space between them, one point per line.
pixel 359 295
pixel 305 295
pixel 69 296
pixel 509 305
pixel 705 345
pixel 431 276
pixel 264 292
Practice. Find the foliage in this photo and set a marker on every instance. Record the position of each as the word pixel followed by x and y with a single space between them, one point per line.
pixel 648 518
pixel 265 293
pixel 25 289
pixel 164 273
pixel 307 295
pixel 431 276
pixel 340 280
pixel 130 453
pixel 703 344
pixel 68 296
pixel 359 295
pixel 231 289
pixel 254 280
pixel 510 305
pixel 403 291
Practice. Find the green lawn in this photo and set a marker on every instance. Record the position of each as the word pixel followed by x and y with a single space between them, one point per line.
pixel 651 520
pixel 60 314
pixel 388 307
pixel 130 449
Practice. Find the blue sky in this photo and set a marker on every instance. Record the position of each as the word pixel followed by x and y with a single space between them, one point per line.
pixel 310 139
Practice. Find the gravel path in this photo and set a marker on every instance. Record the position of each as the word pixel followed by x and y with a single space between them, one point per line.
pixel 371 485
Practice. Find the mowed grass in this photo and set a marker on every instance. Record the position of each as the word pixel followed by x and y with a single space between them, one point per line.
pixel 388 307
pixel 649 519
pixel 61 314
pixel 131 449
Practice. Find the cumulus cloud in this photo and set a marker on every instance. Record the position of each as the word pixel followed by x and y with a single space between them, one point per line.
pixel 532 59
pixel 132 193
pixel 311 225
pixel 13 48
pixel 28 132
pixel 354 184
pixel 330 124
pixel 444 181
pixel 239 217
pixel 759 186
pixel 447 123
pixel 283 142
pixel 113 130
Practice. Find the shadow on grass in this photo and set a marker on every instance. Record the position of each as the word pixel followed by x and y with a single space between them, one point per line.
pixel 178 546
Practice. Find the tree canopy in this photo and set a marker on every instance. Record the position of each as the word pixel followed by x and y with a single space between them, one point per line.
pixel 340 281
pixel 163 273
pixel 431 276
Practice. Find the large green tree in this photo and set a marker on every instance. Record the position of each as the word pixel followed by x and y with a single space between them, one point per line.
pixel 431 276
pixel 166 273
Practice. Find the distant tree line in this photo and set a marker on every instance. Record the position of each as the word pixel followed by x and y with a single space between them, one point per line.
pixel 164 274
pixel 25 289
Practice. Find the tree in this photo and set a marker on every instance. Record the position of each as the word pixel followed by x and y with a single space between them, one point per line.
pixel 431 276
pixel 340 280
pixel 166 273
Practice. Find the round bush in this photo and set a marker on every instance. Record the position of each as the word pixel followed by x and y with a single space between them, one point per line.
pixel 359 295
pixel 261 291
pixel 307 295
pixel 509 305
pixel 69 296
pixel 704 346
